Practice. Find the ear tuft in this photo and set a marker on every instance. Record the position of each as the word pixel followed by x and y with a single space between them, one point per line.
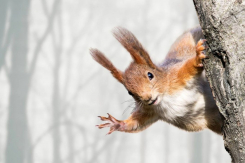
pixel 102 60
pixel 133 46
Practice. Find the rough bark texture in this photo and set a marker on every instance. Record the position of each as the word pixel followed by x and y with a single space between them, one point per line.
pixel 223 24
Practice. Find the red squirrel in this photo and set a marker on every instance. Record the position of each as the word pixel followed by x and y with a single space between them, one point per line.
pixel 175 91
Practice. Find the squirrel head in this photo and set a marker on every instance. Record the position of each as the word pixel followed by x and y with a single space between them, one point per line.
pixel 142 78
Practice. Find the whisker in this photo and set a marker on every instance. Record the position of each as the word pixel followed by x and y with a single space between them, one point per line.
pixel 130 106
pixel 130 100
pixel 138 105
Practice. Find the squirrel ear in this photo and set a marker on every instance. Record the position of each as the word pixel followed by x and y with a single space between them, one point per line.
pixel 133 46
pixel 101 59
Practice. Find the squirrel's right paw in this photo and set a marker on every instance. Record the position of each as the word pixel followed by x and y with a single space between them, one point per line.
pixel 113 123
pixel 200 53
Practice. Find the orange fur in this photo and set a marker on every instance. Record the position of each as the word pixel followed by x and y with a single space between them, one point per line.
pixel 184 46
pixel 101 59
pixel 137 122
pixel 133 46
pixel 173 78
pixel 185 49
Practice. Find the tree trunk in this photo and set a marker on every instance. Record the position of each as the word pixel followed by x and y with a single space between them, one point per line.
pixel 17 126
pixel 223 25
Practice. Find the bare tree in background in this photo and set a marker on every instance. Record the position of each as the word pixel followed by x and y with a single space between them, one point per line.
pixel 20 75
pixel 19 78
pixel 4 45
pixel 56 98
pixel 223 24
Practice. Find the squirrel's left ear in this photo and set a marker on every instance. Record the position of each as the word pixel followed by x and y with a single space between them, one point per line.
pixel 133 46
pixel 101 59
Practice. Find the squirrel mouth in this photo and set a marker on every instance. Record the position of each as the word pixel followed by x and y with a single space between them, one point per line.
pixel 153 101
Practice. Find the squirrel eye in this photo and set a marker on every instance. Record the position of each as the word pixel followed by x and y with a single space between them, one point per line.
pixel 130 93
pixel 150 75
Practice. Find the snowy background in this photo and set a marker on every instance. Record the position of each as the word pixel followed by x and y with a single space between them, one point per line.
pixel 52 90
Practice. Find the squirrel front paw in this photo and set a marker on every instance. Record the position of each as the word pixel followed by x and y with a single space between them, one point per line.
pixel 113 123
pixel 200 53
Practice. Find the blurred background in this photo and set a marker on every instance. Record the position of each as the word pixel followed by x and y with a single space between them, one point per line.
pixel 52 90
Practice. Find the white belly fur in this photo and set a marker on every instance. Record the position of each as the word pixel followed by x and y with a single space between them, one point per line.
pixel 187 108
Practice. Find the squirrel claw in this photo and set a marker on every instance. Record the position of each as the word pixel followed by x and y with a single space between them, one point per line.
pixel 113 123
pixel 103 125
pixel 200 52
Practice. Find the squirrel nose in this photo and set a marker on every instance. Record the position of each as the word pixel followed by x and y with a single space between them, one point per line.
pixel 147 98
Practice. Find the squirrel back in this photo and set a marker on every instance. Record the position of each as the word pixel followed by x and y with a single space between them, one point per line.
pixel 185 43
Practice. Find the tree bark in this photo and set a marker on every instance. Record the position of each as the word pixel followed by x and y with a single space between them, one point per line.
pixel 223 25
